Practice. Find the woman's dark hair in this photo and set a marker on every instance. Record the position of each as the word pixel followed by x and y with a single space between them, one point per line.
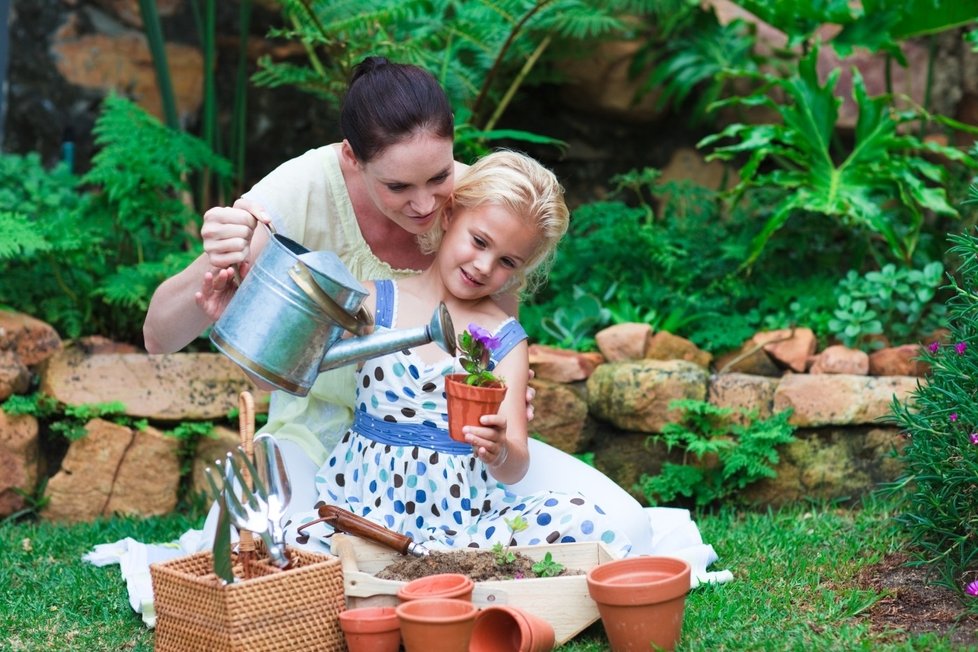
pixel 388 102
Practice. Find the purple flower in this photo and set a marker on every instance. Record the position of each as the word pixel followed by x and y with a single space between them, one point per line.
pixel 972 588
pixel 933 347
pixel 974 438
pixel 960 348
pixel 954 417
pixel 484 337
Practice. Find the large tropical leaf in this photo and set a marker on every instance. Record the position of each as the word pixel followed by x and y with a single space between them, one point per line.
pixel 882 184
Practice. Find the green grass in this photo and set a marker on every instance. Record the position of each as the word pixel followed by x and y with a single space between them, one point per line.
pixel 794 584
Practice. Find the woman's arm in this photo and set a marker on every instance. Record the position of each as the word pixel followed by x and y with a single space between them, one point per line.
pixel 173 319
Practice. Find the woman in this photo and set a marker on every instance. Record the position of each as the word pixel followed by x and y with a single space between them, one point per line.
pixel 367 199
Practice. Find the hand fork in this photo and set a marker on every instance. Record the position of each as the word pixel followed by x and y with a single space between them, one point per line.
pixel 252 513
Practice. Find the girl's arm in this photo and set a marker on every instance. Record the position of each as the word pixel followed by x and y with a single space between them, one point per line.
pixel 501 442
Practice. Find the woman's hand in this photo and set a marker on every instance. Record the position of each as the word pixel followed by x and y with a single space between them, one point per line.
pixel 217 290
pixel 227 232
pixel 530 395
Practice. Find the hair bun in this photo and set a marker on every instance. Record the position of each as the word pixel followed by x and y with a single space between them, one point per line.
pixel 366 66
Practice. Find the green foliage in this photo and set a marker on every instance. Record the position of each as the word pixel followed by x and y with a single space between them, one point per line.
pixel 85 255
pixel 687 57
pixel 672 268
pixel 572 326
pixel 502 553
pixel 720 455
pixel 482 51
pixel 897 302
pixel 940 459
pixel 881 187
pixel 192 430
pixel 67 420
pixel 877 25
pixel 548 567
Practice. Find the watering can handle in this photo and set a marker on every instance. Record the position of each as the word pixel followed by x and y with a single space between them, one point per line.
pixel 359 324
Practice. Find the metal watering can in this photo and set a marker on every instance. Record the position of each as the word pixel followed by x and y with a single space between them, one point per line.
pixel 286 321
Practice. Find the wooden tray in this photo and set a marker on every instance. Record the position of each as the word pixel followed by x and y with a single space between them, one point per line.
pixel 562 601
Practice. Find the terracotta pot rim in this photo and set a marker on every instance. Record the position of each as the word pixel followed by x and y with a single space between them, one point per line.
pixel 431 610
pixel 457 380
pixel 608 582
pixel 536 633
pixel 364 620
pixel 440 585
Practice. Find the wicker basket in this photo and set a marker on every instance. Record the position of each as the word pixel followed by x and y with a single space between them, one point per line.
pixel 295 609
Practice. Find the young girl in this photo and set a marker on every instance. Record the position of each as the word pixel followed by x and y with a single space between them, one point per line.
pixel 397 465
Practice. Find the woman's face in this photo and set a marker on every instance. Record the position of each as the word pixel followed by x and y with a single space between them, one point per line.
pixel 410 180
pixel 482 248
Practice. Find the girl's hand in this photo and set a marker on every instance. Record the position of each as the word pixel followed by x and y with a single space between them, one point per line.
pixel 488 440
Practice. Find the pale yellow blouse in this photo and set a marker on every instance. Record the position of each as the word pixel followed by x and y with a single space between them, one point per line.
pixel 308 202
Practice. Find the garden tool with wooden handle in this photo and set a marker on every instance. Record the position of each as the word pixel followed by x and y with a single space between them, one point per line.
pixel 344 521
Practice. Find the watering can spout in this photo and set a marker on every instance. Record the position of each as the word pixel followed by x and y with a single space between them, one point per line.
pixel 356 349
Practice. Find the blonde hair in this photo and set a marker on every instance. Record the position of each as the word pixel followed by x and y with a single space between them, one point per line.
pixel 525 188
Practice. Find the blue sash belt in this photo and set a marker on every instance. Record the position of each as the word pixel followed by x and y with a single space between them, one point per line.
pixel 408 434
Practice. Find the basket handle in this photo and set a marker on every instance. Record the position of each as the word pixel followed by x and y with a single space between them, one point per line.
pixel 246 434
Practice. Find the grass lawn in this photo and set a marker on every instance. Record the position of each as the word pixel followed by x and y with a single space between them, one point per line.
pixel 794 586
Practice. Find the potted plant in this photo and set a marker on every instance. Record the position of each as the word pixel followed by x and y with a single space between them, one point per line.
pixel 477 391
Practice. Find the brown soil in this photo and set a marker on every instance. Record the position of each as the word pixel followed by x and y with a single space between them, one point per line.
pixel 480 565
pixel 914 603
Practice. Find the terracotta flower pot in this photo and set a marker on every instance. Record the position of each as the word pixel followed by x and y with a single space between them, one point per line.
pixel 510 629
pixel 466 403
pixel 436 624
pixel 371 629
pixel 443 585
pixel 641 601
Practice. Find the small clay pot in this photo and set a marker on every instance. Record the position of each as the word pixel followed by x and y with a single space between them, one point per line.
pixel 443 585
pixel 510 629
pixel 371 629
pixel 467 403
pixel 641 601
pixel 436 624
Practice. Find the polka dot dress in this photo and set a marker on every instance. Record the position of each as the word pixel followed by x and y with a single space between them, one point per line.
pixel 398 467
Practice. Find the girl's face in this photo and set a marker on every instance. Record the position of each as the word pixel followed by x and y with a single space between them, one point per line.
pixel 482 248
pixel 410 180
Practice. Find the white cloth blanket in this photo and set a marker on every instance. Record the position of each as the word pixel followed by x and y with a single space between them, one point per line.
pixel 134 559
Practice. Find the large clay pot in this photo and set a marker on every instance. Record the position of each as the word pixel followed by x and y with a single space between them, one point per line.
pixel 641 601
pixel 443 585
pixel 371 629
pixel 510 629
pixel 467 403
pixel 436 624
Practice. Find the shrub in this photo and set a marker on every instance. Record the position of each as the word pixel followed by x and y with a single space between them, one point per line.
pixel 86 255
pixel 940 419
pixel 720 456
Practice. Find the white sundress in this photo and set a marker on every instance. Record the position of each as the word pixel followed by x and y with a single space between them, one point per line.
pixel 397 466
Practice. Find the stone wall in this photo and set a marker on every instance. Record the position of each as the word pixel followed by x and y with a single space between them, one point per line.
pixel 607 403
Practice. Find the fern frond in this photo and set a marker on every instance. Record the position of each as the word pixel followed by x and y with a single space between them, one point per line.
pixel 21 237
